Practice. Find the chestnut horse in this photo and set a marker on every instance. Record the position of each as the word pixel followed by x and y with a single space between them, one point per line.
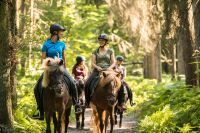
pixel 80 83
pixel 104 99
pixel 56 98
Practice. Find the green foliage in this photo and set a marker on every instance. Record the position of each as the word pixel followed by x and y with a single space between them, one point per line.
pixel 167 107
pixel 158 121
pixel 26 106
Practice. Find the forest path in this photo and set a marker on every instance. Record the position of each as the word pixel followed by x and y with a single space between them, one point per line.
pixel 128 125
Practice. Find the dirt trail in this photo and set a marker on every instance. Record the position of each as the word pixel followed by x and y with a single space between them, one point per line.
pixel 127 125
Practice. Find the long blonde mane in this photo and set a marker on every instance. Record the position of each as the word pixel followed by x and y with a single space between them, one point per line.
pixel 49 65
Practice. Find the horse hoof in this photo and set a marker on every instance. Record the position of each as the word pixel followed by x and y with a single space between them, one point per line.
pixel 82 126
pixel 77 125
pixel 48 131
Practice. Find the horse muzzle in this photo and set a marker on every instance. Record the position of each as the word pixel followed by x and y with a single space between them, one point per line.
pixel 111 100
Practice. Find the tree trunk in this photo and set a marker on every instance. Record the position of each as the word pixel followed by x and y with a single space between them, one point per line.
pixel 181 68
pixel 22 19
pixel 7 40
pixel 196 16
pixel 152 64
pixel 31 33
pixel 185 36
pixel 173 61
pixel 53 3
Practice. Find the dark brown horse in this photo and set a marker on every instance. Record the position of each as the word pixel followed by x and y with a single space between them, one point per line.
pixel 119 111
pixel 81 97
pixel 56 96
pixel 104 100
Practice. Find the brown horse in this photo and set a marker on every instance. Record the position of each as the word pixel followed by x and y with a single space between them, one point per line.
pixel 56 97
pixel 81 97
pixel 104 99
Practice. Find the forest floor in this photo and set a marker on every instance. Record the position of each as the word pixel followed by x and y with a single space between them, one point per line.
pixel 128 124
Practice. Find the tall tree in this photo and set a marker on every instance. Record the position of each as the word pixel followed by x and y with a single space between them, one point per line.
pixel 196 16
pixel 185 36
pixel 7 44
pixel 31 33
pixel 141 19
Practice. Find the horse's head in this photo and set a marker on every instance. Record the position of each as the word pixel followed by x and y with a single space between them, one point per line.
pixel 111 83
pixel 53 78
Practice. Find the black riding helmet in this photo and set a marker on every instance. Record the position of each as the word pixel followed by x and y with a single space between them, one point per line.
pixel 56 27
pixel 120 58
pixel 80 58
pixel 103 36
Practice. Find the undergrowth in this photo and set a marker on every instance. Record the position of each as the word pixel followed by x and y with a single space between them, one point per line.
pixel 166 107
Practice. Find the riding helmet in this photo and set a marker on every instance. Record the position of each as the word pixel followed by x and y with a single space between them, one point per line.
pixel 56 27
pixel 120 58
pixel 80 58
pixel 103 36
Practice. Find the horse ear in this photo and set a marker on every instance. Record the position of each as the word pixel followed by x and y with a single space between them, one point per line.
pixel 104 74
pixel 48 62
pixel 61 62
pixel 119 74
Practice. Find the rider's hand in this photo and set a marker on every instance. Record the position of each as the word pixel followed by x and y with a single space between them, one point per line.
pixel 99 68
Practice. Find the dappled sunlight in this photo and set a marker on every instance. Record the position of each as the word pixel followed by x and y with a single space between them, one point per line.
pixel 154 42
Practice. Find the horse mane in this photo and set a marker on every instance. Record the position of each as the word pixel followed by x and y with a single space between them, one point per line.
pixel 49 65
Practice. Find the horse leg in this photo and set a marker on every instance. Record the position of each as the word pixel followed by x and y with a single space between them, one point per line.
pixel 115 116
pixel 67 114
pixel 106 122
pixel 55 122
pixel 96 119
pixel 100 112
pixel 111 120
pixel 48 122
pixel 78 121
pixel 120 122
pixel 60 121
pixel 83 119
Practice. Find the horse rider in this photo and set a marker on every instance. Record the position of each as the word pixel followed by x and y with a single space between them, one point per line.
pixel 125 88
pixel 80 70
pixel 52 48
pixel 102 58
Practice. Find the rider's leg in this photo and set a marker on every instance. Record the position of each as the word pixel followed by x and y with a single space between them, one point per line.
pixel 73 91
pixel 39 99
pixel 90 85
pixel 130 94
pixel 121 97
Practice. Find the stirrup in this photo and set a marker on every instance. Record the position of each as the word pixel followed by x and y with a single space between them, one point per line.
pixel 78 109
